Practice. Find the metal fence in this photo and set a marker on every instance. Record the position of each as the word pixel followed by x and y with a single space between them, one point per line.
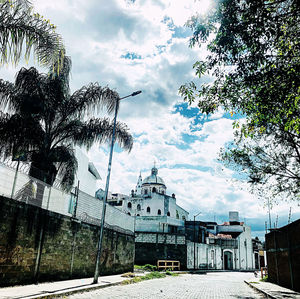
pixel 283 255
pixel 16 183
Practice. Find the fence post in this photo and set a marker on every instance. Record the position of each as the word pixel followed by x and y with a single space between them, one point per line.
pixel 15 179
pixel 49 194
pixel 39 250
pixel 76 202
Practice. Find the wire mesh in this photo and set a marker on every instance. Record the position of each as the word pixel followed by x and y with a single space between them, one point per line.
pixel 16 183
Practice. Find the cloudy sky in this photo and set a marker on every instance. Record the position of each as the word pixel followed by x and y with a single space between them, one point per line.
pixel 143 45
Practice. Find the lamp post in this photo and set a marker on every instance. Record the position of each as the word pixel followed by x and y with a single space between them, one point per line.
pixel 195 240
pixel 99 247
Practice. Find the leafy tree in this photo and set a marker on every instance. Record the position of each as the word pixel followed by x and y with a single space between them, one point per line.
pixel 21 30
pixel 45 121
pixel 253 59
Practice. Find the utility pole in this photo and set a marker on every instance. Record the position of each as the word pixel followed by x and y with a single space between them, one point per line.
pixel 99 246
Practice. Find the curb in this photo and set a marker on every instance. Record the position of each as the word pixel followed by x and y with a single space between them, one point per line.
pixel 75 290
pixel 259 290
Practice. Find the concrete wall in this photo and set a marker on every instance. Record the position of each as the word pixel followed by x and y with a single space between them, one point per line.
pixel 20 227
pixel 245 259
pixel 151 247
pixel 283 255
pixel 206 257
pixel 156 223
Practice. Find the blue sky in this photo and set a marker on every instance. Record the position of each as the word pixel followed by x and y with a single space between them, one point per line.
pixel 143 45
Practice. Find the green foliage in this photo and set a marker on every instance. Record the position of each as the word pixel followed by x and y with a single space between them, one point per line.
pixel 45 121
pixel 171 273
pixel 22 31
pixel 264 279
pixel 148 276
pixel 146 267
pixel 254 56
pixel 149 267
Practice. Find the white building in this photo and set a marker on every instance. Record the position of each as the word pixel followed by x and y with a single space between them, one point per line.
pixel 150 199
pixel 87 174
pixel 228 247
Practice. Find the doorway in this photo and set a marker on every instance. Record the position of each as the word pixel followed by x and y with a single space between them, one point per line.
pixel 228 260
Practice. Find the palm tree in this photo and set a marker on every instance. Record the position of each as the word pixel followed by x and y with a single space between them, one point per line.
pixel 45 121
pixel 21 29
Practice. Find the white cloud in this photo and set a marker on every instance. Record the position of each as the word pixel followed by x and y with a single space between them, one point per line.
pixel 97 34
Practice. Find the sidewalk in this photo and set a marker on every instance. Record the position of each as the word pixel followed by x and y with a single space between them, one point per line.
pixel 272 290
pixel 59 288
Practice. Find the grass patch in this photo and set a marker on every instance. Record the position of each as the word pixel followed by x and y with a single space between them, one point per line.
pixel 148 276
pixel 264 279
pixel 171 273
pixel 253 282
pixel 146 267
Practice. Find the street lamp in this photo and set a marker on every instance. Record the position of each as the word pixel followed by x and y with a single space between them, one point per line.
pixel 195 239
pixel 99 247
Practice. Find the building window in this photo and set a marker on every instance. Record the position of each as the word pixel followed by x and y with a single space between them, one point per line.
pixel 159 212
pixel 148 209
pixel 168 214
pixel 153 189
pixel 145 191
pixel 177 215
pixel 129 213
pixel 162 192
pixel 137 214
pixel 138 207
pixel 129 205
pixel 183 217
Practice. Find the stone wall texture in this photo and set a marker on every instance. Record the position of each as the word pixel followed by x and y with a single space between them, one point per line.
pixel 68 247
pixel 283 255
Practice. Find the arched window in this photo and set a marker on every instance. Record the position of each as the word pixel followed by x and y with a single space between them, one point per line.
pixel 162 192
pixel 145 191
pixel 138 207
pixel 148 209
pixel 159 212
pixel 168 214
pixel 183 217
pixel 137 214
pixel 177 215
pixel 129 214
pixel 153 189
pixel 129 205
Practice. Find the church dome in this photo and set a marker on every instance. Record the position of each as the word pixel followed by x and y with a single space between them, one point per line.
pixel 153 178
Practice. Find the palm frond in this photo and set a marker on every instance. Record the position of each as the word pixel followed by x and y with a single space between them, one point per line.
pixel 65 158
pixel 101 130
pixel 7 91
pixel 92 98
pixel 18 134
pixel 19 28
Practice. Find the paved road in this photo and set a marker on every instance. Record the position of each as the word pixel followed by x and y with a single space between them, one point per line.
pixel 186 286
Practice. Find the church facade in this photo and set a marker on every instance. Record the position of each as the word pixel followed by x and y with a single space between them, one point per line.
pixel 164 232
pixel 150 199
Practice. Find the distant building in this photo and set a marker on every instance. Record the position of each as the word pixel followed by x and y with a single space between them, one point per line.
pixel 163 231
pixel 149 203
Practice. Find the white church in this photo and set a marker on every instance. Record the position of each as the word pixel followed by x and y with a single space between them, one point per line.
pixel 164 232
